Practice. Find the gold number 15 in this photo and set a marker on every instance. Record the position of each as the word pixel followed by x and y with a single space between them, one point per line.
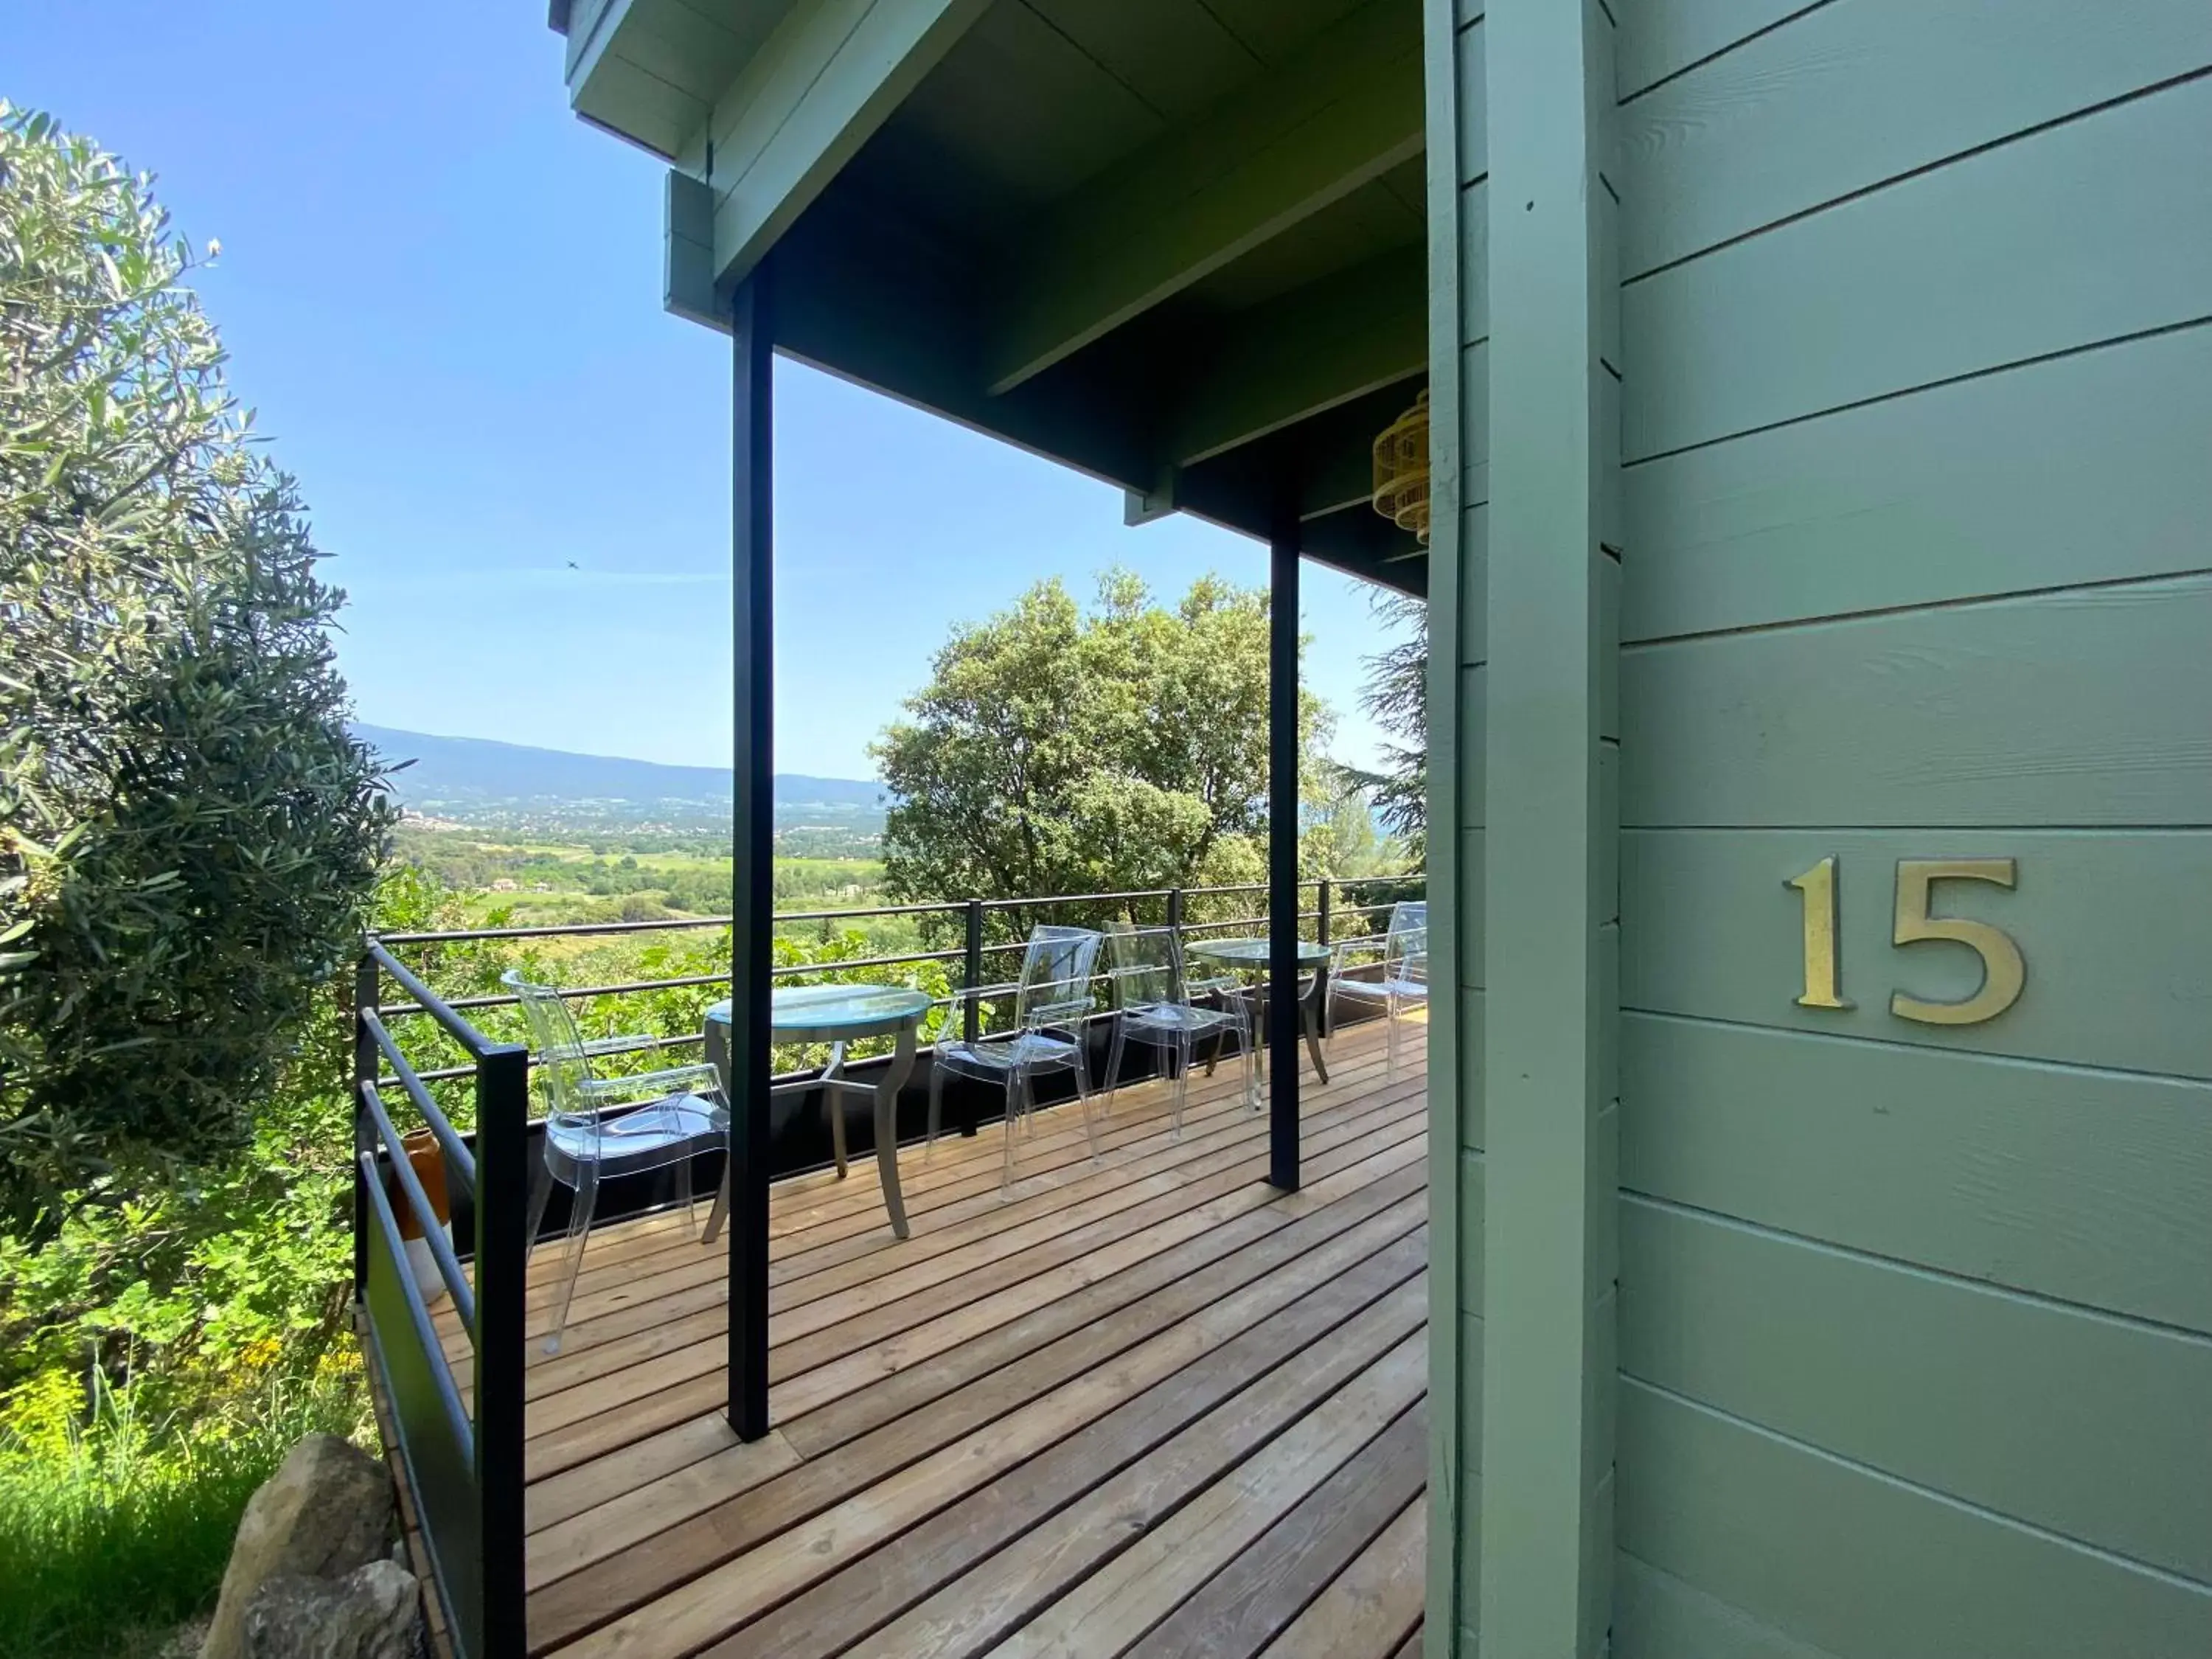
pixel 2003 971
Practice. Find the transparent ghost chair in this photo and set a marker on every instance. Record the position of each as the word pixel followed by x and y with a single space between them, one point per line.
pixel 611 1125
pixel 1157 1006
pixel 1052 999
pixel 1403 984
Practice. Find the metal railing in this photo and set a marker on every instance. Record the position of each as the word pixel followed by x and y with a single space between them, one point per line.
pixel 463 1460
pixel 972 953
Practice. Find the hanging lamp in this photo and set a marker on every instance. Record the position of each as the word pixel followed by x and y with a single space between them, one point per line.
pixel 1402 471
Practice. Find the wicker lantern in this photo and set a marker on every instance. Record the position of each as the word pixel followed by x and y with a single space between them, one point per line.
pixel 1402 471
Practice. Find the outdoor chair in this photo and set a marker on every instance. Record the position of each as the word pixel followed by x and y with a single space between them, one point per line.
pixel 1156 1005
pixel 1403 952
pixel 611 1126
pixel 1051 1000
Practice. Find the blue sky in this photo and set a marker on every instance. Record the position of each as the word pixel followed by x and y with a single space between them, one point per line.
pixel 441 292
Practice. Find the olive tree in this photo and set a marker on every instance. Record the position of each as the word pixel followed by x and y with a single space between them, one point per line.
pixel 188 832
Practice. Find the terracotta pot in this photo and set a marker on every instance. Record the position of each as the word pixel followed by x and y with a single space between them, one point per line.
pixel 429 1166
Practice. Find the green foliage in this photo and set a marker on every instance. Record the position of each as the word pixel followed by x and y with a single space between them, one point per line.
pixel 1056 751
pixel 1396 697
pixel 188 833
pixel 113 1529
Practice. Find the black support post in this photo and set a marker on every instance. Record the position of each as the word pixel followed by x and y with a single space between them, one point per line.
pixel 1282 1031
pixel 753 625
pixel 502 1255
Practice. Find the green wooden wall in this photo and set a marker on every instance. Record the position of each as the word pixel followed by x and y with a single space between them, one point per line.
pixel 1842 1334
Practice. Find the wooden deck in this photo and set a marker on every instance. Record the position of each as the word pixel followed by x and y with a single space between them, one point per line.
pixel 1151 1408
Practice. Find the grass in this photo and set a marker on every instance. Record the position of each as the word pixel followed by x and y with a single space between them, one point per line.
pixel 114 1532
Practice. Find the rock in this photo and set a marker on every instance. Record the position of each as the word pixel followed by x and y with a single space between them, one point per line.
pixel 326 1512
pixel 368 1614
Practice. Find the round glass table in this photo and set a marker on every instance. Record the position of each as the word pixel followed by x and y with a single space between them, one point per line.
pixel 1252 957
pixel 839 1015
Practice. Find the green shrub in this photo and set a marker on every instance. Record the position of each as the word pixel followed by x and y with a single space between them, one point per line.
pixel 189 833
pixel 114 1530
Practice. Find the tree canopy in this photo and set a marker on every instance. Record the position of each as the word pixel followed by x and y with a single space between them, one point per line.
pixel 1396 698
pixel 188 833
pixel 1060 750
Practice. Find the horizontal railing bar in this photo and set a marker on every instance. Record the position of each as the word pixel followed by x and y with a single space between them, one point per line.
pixel 664 924
pixel 434 1231
pixel 637 987
pixel 939 907
pixel 510 999
pixel 459 1029
pixel 557 930
pixel 865 962
pixel 1077 898
pixel 452 1073
pixel 449 1141
pixel 441 1370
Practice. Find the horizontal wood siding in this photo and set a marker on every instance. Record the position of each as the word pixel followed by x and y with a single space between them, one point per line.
pixel 1942 275
pixel 2086 706
pixel 2075 1421
pixel 2085 468
pixel 1852 96
pixel 1852 1563
pixel 2082 1186
pixel 1916 355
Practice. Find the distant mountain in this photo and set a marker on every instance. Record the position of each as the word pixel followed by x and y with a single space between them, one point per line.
pixel 475 780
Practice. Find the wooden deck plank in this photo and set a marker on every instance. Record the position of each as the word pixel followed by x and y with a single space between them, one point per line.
pixel 1139 1128
pixel 565 1445
pixel 1369 1371
pixel 847 1499
pixel 580 1360
pixel 1146 1404
pixel 1178 1281
pixel 704 1348
pixel 636 1296
pixel 867 1593
pixel 1373 1604
pixel 1119 1602
pixel 1250 1601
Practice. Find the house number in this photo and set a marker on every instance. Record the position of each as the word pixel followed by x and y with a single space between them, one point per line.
pixel 2003 971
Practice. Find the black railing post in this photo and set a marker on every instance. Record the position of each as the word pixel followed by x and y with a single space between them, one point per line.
pixel 971 1015
pixel 502 1255
pixel 1322 933
pixel 1174 909
pixel 365 983
pixel 971 1025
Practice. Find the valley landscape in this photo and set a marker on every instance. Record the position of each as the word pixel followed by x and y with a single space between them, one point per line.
pixel 522 837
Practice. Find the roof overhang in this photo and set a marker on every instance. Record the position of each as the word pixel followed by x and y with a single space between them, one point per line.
pixel 1180 246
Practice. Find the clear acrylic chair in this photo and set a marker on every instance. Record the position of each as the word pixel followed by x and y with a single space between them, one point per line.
pixel 611 1125
pixel 1403 952
pixel 1051 1000
pixel 1156 1005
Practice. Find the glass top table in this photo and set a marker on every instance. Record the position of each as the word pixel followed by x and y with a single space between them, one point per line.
pixel 1251 952
pixel 839 1015
pixel 1253 957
